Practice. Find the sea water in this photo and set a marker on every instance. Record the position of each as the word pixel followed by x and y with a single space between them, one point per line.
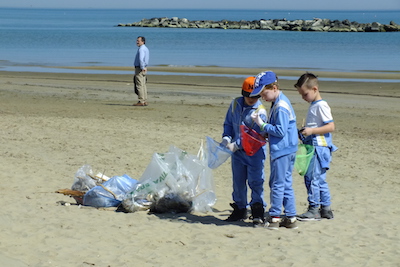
pixel 33 38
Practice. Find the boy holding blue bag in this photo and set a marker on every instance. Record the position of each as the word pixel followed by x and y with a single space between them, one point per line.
pixel 317 132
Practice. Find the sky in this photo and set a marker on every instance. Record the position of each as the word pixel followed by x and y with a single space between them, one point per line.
pixel 363 5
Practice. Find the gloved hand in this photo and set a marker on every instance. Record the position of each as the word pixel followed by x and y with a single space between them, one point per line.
pixel 225 141
pixel 257 119
pixel 232 147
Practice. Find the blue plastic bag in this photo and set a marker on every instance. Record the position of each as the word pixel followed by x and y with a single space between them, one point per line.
pixel 110 193
pixel 217 153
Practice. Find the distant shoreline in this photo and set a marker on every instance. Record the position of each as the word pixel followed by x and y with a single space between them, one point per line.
pixel 358 83
pixel 211 70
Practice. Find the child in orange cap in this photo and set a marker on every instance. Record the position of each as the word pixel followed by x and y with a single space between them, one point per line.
pixel 247 170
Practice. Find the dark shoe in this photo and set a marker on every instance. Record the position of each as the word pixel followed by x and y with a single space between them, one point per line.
pixel 140 104
pixel 237 214
pixel 289 222
pixel 326 212
pixel 273 223
pixel 312 214
pixel 257 215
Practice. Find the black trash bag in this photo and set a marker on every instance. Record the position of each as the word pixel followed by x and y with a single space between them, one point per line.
pixel 172 203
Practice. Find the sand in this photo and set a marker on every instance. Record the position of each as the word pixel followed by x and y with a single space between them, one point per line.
pixel 52 124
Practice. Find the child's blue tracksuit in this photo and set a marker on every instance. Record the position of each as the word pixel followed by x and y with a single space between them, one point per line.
pixel 283 141
pixel 245 169
pixel 315 178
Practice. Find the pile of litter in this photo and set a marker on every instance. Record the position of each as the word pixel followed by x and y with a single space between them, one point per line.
pixel 173 182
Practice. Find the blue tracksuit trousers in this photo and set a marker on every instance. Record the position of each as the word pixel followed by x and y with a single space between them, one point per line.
pixel 315 178
pixel 247 170
pixel 280 183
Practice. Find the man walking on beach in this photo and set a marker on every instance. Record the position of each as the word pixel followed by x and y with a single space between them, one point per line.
pixel 139 79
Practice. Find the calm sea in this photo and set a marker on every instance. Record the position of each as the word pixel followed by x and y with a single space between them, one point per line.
pixel 30 38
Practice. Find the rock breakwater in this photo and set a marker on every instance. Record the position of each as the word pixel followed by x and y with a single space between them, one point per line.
pixel 316 24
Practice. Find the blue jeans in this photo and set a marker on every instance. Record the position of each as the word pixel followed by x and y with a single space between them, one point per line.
pixel 315 178
pixel 281 189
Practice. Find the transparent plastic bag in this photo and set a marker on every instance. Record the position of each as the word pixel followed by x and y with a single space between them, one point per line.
pixel 175 173
pixel 201 188
pixel 83 180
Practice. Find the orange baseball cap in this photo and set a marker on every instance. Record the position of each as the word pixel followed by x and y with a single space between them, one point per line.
pixel 248 85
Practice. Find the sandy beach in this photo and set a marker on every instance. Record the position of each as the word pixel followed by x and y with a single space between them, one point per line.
pixel 53 123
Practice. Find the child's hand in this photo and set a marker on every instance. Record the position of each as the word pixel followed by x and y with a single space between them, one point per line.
pixel 232 147
pixel 225 141
pixel 306 131
pixel 257 119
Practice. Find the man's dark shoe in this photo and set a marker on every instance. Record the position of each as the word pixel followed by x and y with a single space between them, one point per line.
pixel 140 104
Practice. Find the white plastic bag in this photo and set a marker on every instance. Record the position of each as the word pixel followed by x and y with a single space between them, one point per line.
pixel 175 173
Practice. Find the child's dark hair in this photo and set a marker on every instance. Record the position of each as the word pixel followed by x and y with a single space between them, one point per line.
pixel 308 79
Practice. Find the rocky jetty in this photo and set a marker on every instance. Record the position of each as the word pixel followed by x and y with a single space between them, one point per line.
pixel 316 24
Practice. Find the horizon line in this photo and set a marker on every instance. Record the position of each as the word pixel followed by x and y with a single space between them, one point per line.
pixel 233 9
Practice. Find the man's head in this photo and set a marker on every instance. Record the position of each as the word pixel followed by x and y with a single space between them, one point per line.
pixel 140 41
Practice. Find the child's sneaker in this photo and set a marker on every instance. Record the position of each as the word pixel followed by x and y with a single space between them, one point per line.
pixel 273 223
pixel 237 214
pixel 326 212
pixel 289 222
pixel 257 215
pixel 312 214
pixel 258 222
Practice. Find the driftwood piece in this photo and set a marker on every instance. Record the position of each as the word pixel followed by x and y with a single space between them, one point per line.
pixel 75 194
pixel 72 193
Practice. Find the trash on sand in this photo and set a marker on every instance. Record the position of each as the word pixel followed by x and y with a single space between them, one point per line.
pixel 98 190
pixel 174 182
pixel 109 193
pixel 172 203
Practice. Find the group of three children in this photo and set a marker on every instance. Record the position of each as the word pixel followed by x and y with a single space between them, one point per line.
pixel 278 126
